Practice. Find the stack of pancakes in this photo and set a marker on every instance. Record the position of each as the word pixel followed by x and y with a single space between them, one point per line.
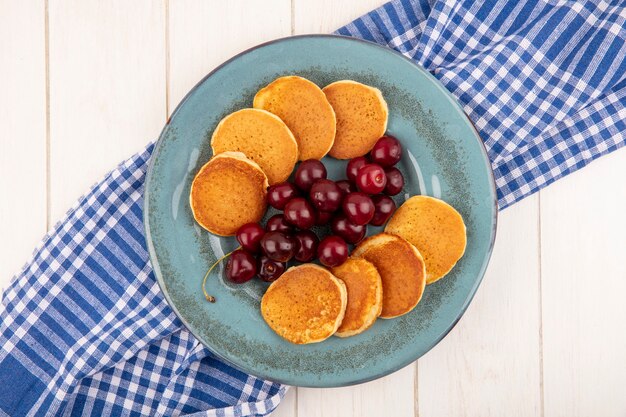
pixel 385 276
pixel 292 120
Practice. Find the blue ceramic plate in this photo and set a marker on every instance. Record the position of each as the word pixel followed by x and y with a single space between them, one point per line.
pixel 443 157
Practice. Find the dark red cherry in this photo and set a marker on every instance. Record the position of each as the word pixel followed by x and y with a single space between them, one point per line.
pixel 241 266
pixel 371 179
pixel 323 217
pixel 352 169
pixel 358 208
pixel 386 152
pixel 307 245
pixel 278 246
pixel 395 181
pixel 325 195
pixel 278 195
pixel 269 269
pixel 308 172
pixel 249 237
pixel 300 213
pixel 346 186
pixel 350 232
pixel 277 223
pixel 332 251
pixel 383 209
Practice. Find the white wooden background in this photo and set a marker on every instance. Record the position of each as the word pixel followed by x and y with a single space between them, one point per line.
pixel 84 84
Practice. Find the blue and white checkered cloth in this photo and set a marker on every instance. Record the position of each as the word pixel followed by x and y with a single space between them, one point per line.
pixel 543 81
pixel 84 328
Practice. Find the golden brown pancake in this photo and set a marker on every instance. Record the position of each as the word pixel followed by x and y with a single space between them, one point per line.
pixel 262 137
pixel 229 191
pixel 361 113
pixel 305 305
pixel 435 228
pixel 365 295
pixel 401 269
pixel 305 110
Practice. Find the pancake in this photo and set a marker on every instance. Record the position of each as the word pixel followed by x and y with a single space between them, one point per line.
pixel 262 137
pixel 305 110
pixel 435 228
pixel 401 269
pixel 365 295
pixel 229 191
pixel 305 305
pixel 361 113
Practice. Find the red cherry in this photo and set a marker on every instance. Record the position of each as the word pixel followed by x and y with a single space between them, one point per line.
pixel 241 267
pixel 307 245
pixel 300 213
pixel 325 195
pixel 358 208
pixel 269 269
pixel 308 172
pixel 278 246
pixel 278 195
pixel 277 223
pixel 332 251
pixel 383 209
pixel 386 152
pixel 395 181
pixel 350 232
pixel 371 179
pixel 346 186
pixel 249 236
pixel 352 169
pixel 323 217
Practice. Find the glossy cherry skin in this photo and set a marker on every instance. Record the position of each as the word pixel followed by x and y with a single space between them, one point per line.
pixel 277 223
pixel 278 195
pixel 269 269
pixel 300 213
pixel 249 237
pixel 241 266
pixel 358 208
pixel 332 251
pixel 308 172
pixel 350 232
pixel 384 207
pixel 386 152
pixel 346 186
pixel 323 217
pixel 395 181
pixel 325 195
pixel 278 246
pixel 352 169
pixel 371 179
pixel 307 245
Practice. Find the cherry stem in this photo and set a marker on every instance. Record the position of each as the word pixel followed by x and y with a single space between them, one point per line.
pixel 208 297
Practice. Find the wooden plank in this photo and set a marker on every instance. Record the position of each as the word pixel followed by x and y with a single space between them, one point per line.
pixel 107 89
pixel 583 243
pixel 326 16
pixel 393 395
pixel 23 142
pixel 202 35
pixel 289 405
pixel 490 363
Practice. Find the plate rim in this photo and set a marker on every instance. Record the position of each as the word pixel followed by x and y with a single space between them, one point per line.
pixel 318 384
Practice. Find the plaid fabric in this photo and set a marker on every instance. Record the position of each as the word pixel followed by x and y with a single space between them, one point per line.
pixel 84 329
pixel 543 81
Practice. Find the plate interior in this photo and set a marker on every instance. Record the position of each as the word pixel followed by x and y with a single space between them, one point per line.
pixel 443 157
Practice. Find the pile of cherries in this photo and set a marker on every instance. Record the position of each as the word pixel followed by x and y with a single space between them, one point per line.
pixel 312 199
